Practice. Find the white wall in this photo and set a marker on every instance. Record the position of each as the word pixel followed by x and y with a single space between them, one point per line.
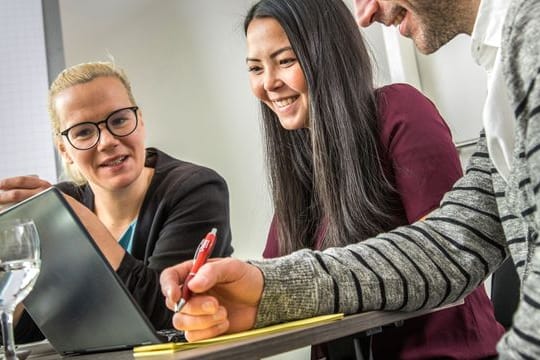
pixel 186 63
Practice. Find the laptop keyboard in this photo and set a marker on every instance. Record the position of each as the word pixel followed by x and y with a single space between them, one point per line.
pixel 171 335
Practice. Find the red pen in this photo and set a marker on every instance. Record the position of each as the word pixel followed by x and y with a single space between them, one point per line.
pixel 201 255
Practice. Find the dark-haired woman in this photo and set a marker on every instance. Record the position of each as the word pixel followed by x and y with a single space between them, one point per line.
pixel 347 161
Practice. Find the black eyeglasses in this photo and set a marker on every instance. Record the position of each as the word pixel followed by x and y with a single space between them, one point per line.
pixel 85 135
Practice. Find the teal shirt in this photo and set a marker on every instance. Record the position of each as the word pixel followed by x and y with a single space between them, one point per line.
pixel 126 240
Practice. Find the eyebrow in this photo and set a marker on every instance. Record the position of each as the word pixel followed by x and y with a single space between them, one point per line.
pixel 272 55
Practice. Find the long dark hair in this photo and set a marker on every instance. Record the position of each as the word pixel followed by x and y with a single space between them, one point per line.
pixel 328 180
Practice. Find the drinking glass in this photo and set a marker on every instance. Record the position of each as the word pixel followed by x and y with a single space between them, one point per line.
pixel 19 268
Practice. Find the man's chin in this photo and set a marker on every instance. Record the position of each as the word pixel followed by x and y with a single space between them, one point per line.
pixel 427 47
pixel 426 51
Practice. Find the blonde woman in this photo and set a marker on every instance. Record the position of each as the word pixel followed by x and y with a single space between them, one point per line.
pixel 156 208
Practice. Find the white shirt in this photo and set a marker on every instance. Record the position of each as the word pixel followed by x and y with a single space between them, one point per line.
pixel 498 118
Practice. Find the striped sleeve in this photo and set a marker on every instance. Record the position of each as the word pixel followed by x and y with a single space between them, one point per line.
pixel 426 264
pixel 521 61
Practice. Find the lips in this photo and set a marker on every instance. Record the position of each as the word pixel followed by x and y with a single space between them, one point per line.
pixel 114 161
pixel 281 103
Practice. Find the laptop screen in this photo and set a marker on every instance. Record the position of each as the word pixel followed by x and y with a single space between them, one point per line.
pixel 78 301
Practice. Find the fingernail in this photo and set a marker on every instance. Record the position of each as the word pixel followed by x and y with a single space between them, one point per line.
pixel 209 306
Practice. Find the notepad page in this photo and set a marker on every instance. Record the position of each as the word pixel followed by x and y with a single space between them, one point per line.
pixel 26 145
pixel 158 349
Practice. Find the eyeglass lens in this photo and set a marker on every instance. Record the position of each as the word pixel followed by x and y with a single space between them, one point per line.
pixel 119 123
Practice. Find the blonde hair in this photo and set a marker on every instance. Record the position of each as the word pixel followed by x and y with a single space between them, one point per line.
pixel 74 75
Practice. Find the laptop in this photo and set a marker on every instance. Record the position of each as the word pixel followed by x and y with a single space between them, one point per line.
pixel 78 301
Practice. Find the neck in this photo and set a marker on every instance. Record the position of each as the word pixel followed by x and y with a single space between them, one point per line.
pixel 117 209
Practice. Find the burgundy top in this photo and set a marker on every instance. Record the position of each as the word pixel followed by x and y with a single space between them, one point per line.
pixel 424 165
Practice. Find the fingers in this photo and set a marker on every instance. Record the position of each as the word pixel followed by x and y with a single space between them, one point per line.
pixel 197 321
pixel 197 325
pixel 18 188
pixel 242 282
pixel 219 284
pixel 217 271
pixel 201 318
pixel 239 281
pixel 196 335
pixel 23 182
pixel 170 280
pixel 201 305
pixel 172 297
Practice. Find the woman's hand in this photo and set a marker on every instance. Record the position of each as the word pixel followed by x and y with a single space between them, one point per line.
pixel 226 295
pixel 19 188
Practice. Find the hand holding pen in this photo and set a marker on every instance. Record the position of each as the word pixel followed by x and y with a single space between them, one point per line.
pixel 203 252
pixel 228 295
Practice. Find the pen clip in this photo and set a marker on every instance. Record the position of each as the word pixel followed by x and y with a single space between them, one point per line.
pixel 204 242
pixel 198 250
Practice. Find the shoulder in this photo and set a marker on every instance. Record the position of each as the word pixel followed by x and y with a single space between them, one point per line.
pixel 398 90
pixel 79 192
pixel 180 174
pixel 404 109
pixel 520 47
pixel 522 15
pixel 399 98
pixel 67 187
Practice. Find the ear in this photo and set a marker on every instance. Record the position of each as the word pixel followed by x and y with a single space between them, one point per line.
pixel 140 117
pixel 61 146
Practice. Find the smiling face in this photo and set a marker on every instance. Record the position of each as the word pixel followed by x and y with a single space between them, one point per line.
pixel 113 163
pixel 275 75
pixel 430 24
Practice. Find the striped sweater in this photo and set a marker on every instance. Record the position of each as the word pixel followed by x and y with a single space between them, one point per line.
pixel 481 221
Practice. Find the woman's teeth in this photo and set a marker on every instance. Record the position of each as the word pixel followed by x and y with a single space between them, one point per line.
pixel 117 161
pixel 284 102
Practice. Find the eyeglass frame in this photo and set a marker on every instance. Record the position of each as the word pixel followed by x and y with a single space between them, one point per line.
pixel 96 124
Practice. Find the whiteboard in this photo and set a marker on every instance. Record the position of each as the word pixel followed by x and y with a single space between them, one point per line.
pixel 26 143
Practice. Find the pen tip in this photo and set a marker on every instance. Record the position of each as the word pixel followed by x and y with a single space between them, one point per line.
pixel 179 305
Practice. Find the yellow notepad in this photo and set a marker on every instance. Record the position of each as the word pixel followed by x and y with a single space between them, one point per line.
pixel 165 348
